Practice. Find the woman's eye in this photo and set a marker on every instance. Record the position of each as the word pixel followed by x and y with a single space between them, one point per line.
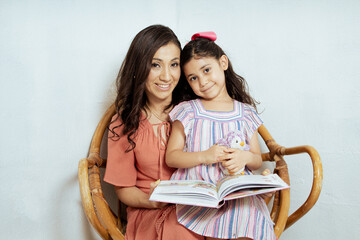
pixel 155 65
pixel 175 64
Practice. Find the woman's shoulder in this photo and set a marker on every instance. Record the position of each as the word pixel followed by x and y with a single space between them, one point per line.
pixel 116 125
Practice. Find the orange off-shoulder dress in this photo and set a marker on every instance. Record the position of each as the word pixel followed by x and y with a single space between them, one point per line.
pixel 139 167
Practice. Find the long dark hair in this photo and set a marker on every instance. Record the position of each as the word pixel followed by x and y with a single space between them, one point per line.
pixel 235 84
pixel 131 97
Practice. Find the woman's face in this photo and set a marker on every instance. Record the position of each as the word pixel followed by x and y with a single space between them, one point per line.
pixel 164 74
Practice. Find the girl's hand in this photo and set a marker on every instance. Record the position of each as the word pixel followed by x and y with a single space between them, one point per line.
pixel 214 154
pixel 153 185
pixel 235 159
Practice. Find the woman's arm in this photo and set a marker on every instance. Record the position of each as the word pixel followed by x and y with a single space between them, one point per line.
pixel 134 197
pixel 235 159
pixel 177 158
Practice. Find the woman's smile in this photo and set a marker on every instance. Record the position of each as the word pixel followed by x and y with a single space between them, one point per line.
pixel 164 87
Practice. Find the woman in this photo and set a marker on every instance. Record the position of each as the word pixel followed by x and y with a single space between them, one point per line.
pixel 146 92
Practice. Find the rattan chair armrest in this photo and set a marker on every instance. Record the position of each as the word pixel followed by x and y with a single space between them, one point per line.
pixel 87 200
pixel 281 203
pixel 316 184
pixel 99 131
pixel 106 217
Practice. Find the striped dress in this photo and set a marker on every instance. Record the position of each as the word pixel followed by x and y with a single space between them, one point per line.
pixel 244 217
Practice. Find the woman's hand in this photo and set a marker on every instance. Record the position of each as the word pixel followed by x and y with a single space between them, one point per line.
pixel 269 194
pixel 153 185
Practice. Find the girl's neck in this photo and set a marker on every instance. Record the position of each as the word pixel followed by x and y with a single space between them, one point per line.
pixel 221 105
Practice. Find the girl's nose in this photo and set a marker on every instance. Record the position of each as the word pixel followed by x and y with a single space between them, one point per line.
pixel 203 81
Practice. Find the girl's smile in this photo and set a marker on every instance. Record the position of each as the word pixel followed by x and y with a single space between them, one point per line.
pixel 207 88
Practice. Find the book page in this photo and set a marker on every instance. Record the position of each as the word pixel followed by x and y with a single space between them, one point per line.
pixel 188 192
pixel 230 184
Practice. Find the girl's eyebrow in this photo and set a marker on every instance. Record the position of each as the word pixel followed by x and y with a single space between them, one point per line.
pixel 204 66
pixel 191 74
pixel 159 59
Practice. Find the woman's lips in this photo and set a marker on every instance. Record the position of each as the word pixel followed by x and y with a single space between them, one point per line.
pixel 163 86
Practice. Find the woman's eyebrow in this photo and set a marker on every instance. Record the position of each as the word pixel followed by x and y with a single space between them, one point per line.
pixel 159 59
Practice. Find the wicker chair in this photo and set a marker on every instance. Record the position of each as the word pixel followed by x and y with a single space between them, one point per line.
pixel 109 226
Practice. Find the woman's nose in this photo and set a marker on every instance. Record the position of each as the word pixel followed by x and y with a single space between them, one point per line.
pixel 165 74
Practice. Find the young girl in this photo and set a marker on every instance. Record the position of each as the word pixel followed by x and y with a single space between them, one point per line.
pixel 218 103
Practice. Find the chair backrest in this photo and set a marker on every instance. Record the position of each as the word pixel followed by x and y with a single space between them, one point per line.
pixel 110 226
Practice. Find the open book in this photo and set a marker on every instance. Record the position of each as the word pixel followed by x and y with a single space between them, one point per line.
pixel 201 193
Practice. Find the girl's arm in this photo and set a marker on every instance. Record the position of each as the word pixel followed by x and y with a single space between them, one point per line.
pixel 177 158
pixel 134 197
pixel 235 159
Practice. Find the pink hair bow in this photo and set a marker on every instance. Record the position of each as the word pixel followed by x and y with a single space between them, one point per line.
pixel 209 35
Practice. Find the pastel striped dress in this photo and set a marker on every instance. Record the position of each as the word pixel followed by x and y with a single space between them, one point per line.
pixel 244 217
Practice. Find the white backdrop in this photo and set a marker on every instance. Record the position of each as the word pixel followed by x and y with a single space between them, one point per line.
pixel 59 60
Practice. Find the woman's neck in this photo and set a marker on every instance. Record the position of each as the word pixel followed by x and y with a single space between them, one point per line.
pixel 157 112
pixel 159 107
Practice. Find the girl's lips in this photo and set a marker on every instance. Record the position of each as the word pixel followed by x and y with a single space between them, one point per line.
pixel 207 88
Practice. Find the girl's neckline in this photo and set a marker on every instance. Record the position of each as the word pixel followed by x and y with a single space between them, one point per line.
pixel 198 100
pixel 201 112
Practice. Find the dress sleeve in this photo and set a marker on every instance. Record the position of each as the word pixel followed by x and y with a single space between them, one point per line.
pixel 182 112
pixel 120 167
pixel 252 119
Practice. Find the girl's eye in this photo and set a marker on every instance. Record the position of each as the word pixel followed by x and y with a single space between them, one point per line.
pixel 206 70
pixel 192 79
pixel 155 65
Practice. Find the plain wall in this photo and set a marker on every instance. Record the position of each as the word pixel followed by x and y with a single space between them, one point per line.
pixel 59 60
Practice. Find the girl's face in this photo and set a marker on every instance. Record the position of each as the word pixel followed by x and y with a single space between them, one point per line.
pixel 206 77
pixel 164 74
